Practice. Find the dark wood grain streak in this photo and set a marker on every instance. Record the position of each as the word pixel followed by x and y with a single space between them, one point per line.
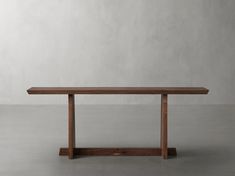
pixel 118 151
pixel 117 90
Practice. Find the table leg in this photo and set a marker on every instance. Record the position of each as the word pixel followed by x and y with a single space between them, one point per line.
pixel 164 148
pixel 71 126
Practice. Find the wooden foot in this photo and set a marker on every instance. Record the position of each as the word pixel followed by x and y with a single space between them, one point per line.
pixel 117 151
pixel 71 126
pixel 164 149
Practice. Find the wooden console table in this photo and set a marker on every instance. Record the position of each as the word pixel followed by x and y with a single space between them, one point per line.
pixel 72 151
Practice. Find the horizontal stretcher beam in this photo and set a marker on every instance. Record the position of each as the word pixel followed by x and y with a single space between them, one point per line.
pixel 117 151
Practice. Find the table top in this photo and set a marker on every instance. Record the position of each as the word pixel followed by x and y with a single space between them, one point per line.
pixel 118 90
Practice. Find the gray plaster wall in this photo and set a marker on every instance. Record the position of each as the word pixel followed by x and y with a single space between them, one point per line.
pixel 117 43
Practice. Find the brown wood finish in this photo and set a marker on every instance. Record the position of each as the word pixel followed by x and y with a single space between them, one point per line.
pixel 164 126
pixel 117 90
pixel 118 151
pixel 163 151
pixel 71 126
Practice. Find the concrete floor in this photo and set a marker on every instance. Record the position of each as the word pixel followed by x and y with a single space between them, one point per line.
pixel 30 137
